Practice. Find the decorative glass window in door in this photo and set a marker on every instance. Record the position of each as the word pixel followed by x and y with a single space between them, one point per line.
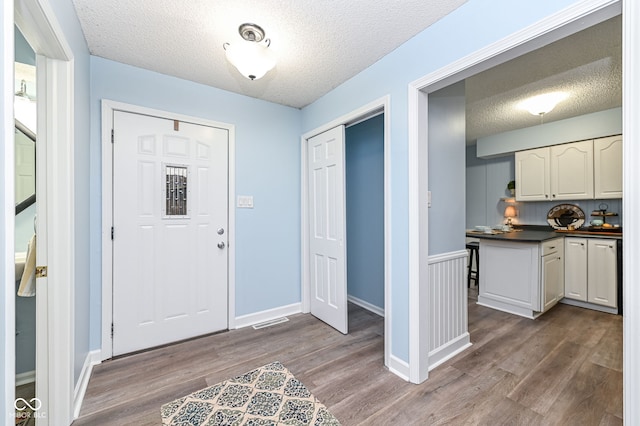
pixel 176 190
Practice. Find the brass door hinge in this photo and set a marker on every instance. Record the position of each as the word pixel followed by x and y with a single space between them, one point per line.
pixel 41 271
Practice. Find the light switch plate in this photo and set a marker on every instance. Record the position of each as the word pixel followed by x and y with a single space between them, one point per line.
pixel 245 201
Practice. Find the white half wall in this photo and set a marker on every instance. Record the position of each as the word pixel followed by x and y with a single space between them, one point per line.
pixel 447 295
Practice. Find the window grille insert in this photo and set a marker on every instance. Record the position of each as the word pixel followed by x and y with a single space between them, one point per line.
pixel 176 192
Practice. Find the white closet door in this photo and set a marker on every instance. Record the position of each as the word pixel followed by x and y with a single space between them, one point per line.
pixel 327 232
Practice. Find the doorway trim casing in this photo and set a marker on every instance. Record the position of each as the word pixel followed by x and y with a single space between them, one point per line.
pixel 554 27
pixel 380 105
pixel 55 340
pixel 108 107
pixel 631 206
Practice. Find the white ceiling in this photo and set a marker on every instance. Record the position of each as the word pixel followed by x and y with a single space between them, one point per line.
pixel 322 43
pixel 319 43
pixel 587 65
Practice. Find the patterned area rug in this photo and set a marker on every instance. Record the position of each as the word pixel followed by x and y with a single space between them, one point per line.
pixel 269 395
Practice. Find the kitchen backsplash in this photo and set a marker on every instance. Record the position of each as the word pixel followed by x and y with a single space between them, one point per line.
pixel 535 213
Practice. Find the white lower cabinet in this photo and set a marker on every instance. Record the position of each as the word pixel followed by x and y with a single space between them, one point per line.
pixel 552 273
pixel 591 270
pixel 601 273
pixel 575 268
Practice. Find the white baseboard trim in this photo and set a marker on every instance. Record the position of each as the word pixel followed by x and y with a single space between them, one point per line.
pixel 489 302
pixel 26 377
pixel 268 315
pixel 588 305
pixel 399 367
pixel 93 358
pixel 449 350
pixel 366 305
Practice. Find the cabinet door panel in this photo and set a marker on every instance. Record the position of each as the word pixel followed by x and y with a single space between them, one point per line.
pixel 575 278
pixel 552 277
pixel 572 171
pixel 607 160
pixel 602 273
pixel 532 175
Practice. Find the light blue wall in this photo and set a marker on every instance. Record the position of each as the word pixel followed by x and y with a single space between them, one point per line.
pixel 364 163
pixel 447 169
pixel 472 26
pixel 267 167
pixel 24 53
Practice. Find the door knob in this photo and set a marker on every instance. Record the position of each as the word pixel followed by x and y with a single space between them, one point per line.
pixel 221 245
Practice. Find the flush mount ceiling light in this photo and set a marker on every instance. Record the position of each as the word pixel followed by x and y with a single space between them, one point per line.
pixel 542 104
pixel 251 56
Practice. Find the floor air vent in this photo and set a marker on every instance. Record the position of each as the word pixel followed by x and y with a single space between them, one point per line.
pixel 270 323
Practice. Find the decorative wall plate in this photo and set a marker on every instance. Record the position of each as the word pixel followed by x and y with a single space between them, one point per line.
pixel 563 215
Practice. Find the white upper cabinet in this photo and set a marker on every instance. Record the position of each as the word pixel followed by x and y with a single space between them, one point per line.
pixel 572 171
pixel 584 170
pixel 607 161
pixel 533 175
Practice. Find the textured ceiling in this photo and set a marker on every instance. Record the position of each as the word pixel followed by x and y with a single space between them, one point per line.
pixel 322 43
pixel 587 65
pixel 319 43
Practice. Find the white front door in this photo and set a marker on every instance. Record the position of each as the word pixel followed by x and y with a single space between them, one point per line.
pixel 327 247
pixel 170 212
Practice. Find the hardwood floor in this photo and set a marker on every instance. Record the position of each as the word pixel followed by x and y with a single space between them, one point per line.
pixel 564 368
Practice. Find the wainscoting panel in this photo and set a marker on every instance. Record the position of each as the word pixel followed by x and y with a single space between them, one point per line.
pixel 448 331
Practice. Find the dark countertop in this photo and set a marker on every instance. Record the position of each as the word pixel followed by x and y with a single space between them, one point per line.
pixel 535 233
pixel 523 236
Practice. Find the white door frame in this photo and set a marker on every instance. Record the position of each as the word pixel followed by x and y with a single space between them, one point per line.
pixel 360 114
pixel 55 209
pixel 554 27
pixel 7 215
pixel 108 107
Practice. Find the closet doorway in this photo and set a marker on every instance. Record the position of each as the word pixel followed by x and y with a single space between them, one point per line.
pixel 364 183
pixel 379 300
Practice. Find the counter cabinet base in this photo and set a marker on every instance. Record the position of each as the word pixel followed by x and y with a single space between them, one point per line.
pixel 587 305
pixel 507 307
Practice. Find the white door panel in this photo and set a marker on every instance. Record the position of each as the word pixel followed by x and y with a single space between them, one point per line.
pixel 327 228
pixel 169 200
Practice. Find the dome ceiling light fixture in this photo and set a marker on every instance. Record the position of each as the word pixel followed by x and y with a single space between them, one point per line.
pixel 252 56
pixel 542 104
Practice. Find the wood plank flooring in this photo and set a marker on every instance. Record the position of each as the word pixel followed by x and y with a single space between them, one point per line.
pixel 564 368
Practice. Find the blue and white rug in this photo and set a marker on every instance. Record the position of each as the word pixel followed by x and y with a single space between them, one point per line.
pixel 269 395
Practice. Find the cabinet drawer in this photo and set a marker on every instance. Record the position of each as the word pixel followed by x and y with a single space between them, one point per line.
pixel 551 246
